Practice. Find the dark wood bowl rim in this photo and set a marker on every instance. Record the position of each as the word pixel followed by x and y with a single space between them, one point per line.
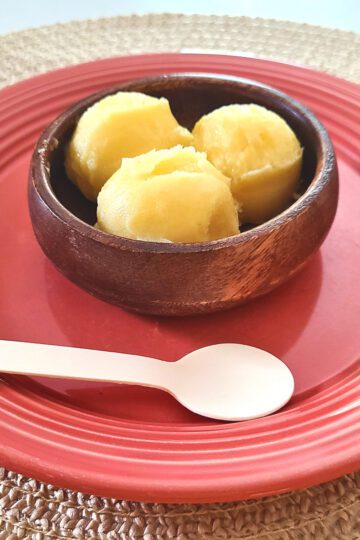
pixel 40 174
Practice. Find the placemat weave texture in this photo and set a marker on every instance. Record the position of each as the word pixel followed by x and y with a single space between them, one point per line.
pixel 29 52
pixel 31 510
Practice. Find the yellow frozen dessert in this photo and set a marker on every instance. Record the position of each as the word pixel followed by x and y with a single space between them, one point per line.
pixel 259 152
pixel 125 124
pixel 172 195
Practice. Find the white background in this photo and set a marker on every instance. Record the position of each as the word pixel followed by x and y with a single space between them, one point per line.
pixel 21 14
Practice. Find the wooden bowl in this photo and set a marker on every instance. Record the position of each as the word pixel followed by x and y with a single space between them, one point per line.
pixel 183 279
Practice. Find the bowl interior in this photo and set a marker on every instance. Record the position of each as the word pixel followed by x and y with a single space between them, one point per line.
pixel 190 98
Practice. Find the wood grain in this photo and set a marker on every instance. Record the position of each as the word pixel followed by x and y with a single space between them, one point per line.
pixel 183 279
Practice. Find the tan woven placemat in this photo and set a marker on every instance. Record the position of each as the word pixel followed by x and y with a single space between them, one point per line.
pixel 26 53
pixel 31 510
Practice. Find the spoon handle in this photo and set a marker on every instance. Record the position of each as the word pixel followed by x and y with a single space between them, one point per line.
pixel 86 364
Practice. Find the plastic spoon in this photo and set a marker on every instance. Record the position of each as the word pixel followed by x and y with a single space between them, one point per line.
pixel 227 381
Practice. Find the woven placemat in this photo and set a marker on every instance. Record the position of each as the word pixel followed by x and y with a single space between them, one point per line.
pixel 31 510
pixel 29 52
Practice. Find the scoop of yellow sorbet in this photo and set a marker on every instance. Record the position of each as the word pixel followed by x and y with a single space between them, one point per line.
pixel 172 195
pixel 125 124
pixel 259 152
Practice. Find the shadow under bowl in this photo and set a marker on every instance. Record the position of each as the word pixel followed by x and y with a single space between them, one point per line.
pixel 183 279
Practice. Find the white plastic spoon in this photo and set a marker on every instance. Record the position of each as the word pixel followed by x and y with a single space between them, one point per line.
pixel 227 381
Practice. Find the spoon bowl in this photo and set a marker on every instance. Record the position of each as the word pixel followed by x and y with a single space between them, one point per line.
pixel 230 381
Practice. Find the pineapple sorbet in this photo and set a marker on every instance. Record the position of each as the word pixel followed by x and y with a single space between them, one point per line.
pixel 129 153
pixel 171 195
pixel 259 152
pixel 125 124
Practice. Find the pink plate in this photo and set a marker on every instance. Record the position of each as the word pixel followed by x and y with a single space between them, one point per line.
pixel 138 443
